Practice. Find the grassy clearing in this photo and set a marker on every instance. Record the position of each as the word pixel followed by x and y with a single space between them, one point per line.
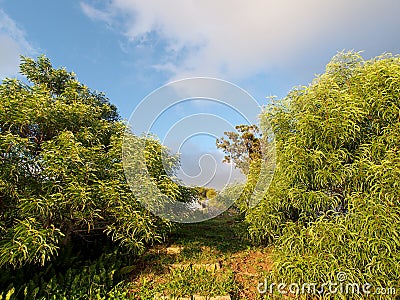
pixel 204 259
pixel 207 259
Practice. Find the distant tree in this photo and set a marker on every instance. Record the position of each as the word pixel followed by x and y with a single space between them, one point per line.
pixel 241 147
pixel 203 192
pixel 211 193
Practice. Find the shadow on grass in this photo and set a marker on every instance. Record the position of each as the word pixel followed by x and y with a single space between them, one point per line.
pixel 210 241
pixel 222 234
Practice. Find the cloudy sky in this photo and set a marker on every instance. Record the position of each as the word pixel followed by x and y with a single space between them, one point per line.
pixel 129 48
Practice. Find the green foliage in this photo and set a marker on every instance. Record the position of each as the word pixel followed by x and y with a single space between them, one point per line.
pixel 211 193
pixel 241 147
pixel 189 281
pixel 244 201
pixel 162 166
pixel 29 242
pixel 186 282
pixel 333 205
pixel 69 278
pixel 204 192
pixel 61 172
pixel 253 153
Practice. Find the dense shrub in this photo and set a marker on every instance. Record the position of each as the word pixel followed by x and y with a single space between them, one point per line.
pixel 61 170
pixel 72 275
pixel 334 203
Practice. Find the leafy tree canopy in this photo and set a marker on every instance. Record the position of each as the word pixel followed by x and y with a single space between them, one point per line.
pixel 241 147
pixel 334 203
pixel 61 172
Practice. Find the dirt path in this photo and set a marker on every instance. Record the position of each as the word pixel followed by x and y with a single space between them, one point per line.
pixel 203 259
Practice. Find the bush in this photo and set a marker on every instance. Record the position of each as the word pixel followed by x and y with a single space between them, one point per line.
pixel 70 276
pixel 61 170
pixel 333 205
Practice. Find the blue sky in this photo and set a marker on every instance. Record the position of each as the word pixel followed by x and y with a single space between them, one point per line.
pixel 128 48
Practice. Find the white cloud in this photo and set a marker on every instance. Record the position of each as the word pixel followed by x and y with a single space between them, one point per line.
pixel 96 14
pixel 206 168
pixel 237 38
pixel 13 44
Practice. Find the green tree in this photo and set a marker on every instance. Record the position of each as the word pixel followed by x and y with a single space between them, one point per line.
pixel 333 205
pixel 61 171
pixel 252 152
pixel 241 147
